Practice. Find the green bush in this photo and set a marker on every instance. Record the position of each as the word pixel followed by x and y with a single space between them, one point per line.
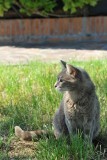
pixel 43 7
pixel 5 5
pixel 73 5
pixel 29 7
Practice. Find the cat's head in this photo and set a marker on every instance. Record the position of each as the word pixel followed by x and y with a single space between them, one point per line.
pixel 72 78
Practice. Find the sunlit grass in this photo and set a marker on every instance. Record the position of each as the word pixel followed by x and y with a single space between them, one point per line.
pixel 28 99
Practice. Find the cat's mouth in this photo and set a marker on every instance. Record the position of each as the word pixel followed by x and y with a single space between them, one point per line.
pixel 60 89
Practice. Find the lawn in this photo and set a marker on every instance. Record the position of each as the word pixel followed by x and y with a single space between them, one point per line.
pixel 28 99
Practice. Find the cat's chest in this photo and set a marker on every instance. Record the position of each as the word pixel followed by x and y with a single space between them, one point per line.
pixel 71 109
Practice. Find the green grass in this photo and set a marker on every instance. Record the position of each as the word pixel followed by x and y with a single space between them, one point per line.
pixel 28 99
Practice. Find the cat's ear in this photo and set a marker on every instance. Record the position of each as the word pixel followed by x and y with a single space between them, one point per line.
pixel 63 64
pixel 71 70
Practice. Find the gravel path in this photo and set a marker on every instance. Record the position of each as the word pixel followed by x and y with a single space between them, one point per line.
pixel 52 52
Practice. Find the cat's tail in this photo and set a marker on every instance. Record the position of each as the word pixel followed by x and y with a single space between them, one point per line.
pixel 29 135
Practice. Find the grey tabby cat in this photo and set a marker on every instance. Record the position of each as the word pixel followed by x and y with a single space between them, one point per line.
pixel 79 108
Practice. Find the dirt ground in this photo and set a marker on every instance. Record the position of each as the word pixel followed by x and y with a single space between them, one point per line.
pixel 52 52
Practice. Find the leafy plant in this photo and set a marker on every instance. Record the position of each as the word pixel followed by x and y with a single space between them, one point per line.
pixel 43 7
pixel 73 5
pixel 28 7
pixel 5 5
pixel 36 6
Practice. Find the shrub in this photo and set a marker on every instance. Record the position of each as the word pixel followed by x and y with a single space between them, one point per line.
pixel 73 5
pixel 29 7
pixel 5 5
pixel 43 7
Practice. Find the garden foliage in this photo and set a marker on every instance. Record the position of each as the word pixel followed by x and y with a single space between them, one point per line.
pixel 43 7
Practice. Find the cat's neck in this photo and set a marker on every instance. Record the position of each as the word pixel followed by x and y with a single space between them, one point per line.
pixel 74 95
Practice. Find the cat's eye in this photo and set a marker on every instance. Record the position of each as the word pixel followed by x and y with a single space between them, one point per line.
pixel 60 80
